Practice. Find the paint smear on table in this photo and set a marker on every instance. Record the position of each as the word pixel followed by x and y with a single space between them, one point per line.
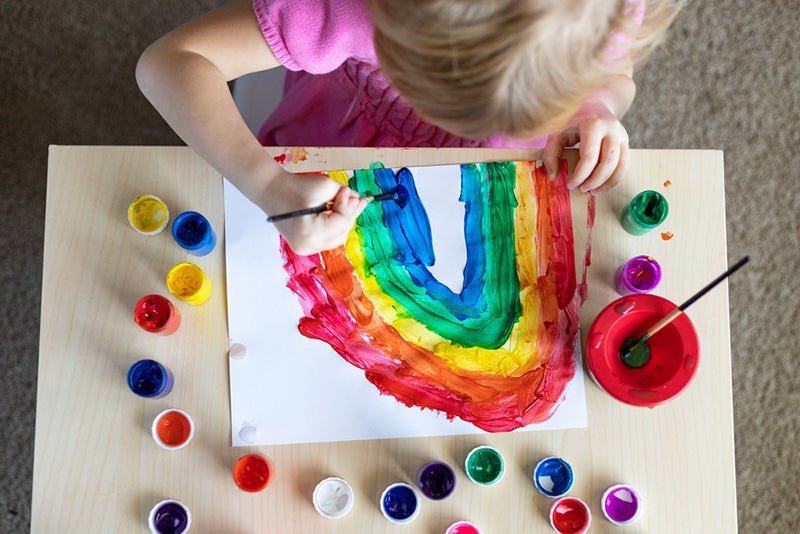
pixel 498 353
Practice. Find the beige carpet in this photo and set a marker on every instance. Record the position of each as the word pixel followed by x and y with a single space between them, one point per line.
pixel 729 79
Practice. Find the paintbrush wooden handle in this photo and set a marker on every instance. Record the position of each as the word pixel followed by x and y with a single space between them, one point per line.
pixel 661 324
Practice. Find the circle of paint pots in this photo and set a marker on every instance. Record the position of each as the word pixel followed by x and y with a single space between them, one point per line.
pixel 674 351
pixel 189 283
pixel 400 503
pixel 640 274
pixel 553 477
pixel 436 480
pixel 157 314
pixel 148 214
pixel 621 504
pixel 333 497
pixel 169 517
pixel 252 472
pixel 172 429
pixel 485 465
pixel 193 233
pixel 462 527
pixel 570 515
pixel 645 211
pixel 150 379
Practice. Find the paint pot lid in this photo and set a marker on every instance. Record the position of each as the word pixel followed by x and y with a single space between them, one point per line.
pixel 172 429
pixel 570 515
pixel 436 480
pixel 485 465
pixel 674 351
pixel 462 527
pixel 553 477
pixel 333 497
pixel 252 472
pixel 169 516
pixel 622 504
pixel 400 503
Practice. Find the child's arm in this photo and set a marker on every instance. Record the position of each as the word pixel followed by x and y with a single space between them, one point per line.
pixel 604 152
pixel 184 75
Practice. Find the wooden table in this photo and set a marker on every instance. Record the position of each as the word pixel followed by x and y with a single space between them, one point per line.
pixel 97 468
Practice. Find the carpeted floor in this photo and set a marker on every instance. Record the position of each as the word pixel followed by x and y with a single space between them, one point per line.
pixel 728 79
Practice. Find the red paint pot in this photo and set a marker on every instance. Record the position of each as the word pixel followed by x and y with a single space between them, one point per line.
pixel 674 351
pixel 157 314
pixel 173 429
pixel 570 515
pixel 252 472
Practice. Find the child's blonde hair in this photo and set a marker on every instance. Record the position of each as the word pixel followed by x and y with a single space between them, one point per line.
pixel 520 67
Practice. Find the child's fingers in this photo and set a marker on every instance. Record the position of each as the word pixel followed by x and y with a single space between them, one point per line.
pixel 620 171
pixel 609 160
pixel 551 154
pixel 589 156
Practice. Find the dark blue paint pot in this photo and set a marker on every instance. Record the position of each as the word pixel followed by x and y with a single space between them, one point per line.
pixel 169 517
pixel 400 503
pixel 553 477
pixel 150 379
pixel 193 232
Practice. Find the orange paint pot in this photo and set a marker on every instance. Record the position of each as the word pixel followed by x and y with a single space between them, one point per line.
pixel 157 314
pixel 252 472
pixel 173 429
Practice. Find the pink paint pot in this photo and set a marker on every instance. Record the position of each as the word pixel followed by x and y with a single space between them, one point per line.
pixel 570 515
pixel 674 351
pixel 462 527
pixel 157 314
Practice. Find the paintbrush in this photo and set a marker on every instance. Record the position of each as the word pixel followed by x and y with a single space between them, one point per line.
pixel 631 345
pixel 399 195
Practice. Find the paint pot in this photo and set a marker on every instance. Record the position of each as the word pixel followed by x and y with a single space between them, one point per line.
pixel 640 274
pixel 252 472
pixel 462 527
pixel 193 232
pixel 189 283
pixel 622 504
pixel 148 214
pixel 333 498
pixel 553 477
pixel 436 480
pixel 149 379
pixel 172 429
pixel 400 503
pixel 645 211
pixel 157 314
pixel 169 517
pixel 570 515
pixel 674 351
pixel 485 465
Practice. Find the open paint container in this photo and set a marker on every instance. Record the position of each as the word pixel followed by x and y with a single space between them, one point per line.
pixel 172 429
pixel 169 517
pixel 252 472
pixel 622 504
pixel 148 214
pixel 485 465
pixel 436 480
pixel 333 498
pixel 570 515
pixel 553 477
pixel 673 356
pixel 400 503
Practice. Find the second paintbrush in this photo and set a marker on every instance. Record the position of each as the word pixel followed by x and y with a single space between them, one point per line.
pixel 399 195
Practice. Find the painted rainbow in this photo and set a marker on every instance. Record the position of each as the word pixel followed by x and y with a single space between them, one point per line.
pixel 498 354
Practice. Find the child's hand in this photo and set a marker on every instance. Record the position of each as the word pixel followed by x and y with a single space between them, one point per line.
pixel 308 234
pixel 604 153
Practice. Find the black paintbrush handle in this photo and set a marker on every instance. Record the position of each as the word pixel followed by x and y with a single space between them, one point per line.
pixel 716 281
pixel 300 213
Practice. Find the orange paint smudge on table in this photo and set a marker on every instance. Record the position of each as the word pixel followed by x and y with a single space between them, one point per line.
pixel 667 183
pixel 666 236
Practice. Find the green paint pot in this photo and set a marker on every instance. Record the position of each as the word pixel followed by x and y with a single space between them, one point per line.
pixel 647 210
pixel 485 465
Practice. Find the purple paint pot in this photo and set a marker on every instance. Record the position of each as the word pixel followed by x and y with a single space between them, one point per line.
pixel 436 480
pixel 621 504
pixel 640 274
pixel 169 517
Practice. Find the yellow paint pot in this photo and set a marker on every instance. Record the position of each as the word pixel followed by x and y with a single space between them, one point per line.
pixel 189 283
pixel 148 214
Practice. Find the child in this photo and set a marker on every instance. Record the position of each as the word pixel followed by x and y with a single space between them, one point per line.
pixel 543 73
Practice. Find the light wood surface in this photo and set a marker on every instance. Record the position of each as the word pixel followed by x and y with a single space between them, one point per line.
pixel 97 469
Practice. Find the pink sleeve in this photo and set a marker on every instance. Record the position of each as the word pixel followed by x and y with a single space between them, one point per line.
pixel 316 36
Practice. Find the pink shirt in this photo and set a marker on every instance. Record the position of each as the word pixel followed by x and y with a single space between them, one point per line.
pixel 335 93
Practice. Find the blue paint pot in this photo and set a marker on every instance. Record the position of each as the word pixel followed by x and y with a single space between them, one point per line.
pixel 400 503
pixel 193 232
pixel 553 477
pixel 150 379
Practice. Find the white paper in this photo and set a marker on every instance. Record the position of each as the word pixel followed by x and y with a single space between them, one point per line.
pixel 292 389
